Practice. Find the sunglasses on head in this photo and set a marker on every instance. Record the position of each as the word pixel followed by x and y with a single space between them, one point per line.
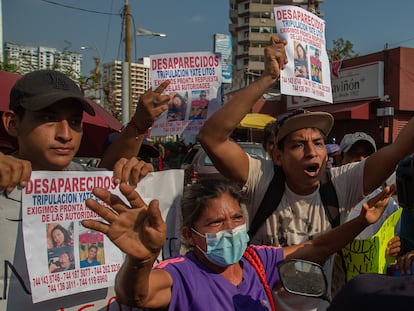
pixel 280 121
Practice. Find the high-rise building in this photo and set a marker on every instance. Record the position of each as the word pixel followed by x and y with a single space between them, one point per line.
pixel 28 58
pixel 112 84
pixel 252 23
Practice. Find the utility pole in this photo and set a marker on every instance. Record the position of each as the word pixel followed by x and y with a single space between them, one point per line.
pixel 126 68
pixel 127 98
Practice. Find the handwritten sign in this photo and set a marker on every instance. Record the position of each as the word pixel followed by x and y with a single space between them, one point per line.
pixel 307 72
pixel 368 255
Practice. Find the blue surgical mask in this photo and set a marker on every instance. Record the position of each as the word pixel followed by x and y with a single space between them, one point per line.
pixel 225 247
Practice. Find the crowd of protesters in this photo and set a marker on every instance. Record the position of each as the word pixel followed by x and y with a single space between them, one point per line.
pixel 221 270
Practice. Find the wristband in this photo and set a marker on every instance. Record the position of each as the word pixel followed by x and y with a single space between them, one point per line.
pixel 138 131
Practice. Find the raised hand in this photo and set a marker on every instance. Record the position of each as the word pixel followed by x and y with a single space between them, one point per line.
pixel 275 57
pixel 375 207
pixel 393 246
pixel 131 170
pixel 13 172
pixel 139 230
pixel 405 262
pixel 151 104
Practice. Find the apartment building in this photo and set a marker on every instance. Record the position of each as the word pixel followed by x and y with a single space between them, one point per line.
pixel 112 83
pixel 28 58
pixel 252 23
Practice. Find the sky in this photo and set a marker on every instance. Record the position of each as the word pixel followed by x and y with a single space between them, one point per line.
pixel 189 25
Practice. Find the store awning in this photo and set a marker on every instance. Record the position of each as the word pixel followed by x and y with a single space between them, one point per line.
pixel 355 110
pixel 7 80
pixel 256 120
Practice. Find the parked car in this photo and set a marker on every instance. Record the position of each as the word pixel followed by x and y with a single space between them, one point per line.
pixel 87 161
pixel 197 164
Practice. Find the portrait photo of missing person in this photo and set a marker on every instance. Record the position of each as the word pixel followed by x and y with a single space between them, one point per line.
pixel 301 60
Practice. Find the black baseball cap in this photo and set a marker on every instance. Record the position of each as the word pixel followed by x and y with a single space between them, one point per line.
pixel 42 88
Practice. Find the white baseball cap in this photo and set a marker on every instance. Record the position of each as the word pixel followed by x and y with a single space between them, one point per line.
pixel 350 139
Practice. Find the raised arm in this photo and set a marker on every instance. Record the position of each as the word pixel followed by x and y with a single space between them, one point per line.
pixel 140 232
pixel 319 249
pixel 128 143
pixel 387 158
pixel 214 136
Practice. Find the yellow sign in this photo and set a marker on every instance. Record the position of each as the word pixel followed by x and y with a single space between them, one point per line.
pixel 368 255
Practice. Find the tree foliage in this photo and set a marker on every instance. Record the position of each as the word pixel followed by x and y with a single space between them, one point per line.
pixel 6 66
pixel 342 49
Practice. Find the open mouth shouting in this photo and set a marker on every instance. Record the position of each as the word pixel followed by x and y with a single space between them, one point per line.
pixel 312 170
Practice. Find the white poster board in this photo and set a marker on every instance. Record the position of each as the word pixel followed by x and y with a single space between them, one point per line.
pixel 308 71
pixel 194 88
pixel 53 198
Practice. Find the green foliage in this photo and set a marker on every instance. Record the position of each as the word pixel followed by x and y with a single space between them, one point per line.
pixel 6 66
pixel 342 50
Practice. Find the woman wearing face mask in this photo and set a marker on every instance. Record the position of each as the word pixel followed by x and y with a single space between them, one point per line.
pixel 220 272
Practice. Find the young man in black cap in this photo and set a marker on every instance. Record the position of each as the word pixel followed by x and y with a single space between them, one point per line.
pixel 41 102
pixel 300 155
pixel 45 116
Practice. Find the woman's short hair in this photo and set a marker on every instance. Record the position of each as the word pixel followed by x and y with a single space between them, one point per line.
pixel 196 197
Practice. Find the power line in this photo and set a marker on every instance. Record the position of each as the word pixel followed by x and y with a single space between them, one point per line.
pixel 403 41
pixel 76 8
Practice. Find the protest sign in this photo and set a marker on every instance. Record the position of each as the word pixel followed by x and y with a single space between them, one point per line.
pixel 52 271
pixel 307 72
pixel 194 90
pixel 368 255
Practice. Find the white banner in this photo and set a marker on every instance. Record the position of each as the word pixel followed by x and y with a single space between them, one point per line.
pixel 194 88
pixel 56 243
pixel 307 72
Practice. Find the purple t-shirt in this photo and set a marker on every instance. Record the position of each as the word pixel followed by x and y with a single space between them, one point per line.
pixel 195 287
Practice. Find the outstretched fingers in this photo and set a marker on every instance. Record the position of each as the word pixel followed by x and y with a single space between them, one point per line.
pixel 96 225
pixel 381 199
pixel 157 227
pixel 160 100
pixel 161 88
pixel 375 207
pixel 154 215
pixel 132 196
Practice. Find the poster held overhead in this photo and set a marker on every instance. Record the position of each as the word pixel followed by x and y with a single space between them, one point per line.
pixel 308 71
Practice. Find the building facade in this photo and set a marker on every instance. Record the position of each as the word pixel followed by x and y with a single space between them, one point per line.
pixel 112 84
pixel 371 93
pixel 27 59
pixel 252 24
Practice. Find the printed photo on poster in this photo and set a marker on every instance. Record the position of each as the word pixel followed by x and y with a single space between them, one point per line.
pixel 60 255
pixel 91 248
pixel 301 60
pixel 199 105
pixel 61 259
pixel 59 234
pixel 177 108
pixel 316 65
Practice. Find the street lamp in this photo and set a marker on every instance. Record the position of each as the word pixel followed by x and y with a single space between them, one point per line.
pixel 98 75
pixel 144 32
pixel 126 66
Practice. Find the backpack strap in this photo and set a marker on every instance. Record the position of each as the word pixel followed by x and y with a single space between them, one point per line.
pixel 270 201
pixel 330 201
pixel 274 194
pixel 253 258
